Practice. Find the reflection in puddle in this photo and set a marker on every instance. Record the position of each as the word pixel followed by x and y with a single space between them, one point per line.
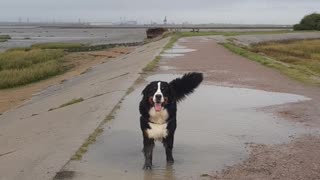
pixel 179 50
pixel 171 55
pixel 176 51
pixel 214 124
pixel 167 68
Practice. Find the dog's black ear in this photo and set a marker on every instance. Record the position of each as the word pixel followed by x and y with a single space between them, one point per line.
pixel 186 84
pixel 145 90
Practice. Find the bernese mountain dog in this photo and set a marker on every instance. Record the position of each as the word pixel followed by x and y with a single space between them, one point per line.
pixel 158 109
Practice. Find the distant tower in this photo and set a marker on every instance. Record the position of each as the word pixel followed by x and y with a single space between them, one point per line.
pixel 165 20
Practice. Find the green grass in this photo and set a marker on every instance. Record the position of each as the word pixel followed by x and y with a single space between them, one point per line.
pixel 21 67
pixel 151 66
pixel 295 71
pixel 84 148
pixel 73 101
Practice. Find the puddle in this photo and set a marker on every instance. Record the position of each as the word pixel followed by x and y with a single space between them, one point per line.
pixel 176 51
pixel 166 68
pixel 171 55
pixel 214 124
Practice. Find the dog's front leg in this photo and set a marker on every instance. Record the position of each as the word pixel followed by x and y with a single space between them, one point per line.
pixel 168 144
pixel 148 145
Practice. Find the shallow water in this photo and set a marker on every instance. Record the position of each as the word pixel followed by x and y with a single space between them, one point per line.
pixel 25 37
pixel 214 126
pixel 176 51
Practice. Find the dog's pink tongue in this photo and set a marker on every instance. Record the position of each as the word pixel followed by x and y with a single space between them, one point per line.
pixel 157 106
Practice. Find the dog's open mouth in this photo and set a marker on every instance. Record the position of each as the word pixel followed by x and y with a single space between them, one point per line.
pixel 158 106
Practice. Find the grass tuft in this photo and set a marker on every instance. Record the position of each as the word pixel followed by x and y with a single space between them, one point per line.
pixel 151 66
pixel 73 101
pixel 93 137
pixel 4 38
pixel 84 148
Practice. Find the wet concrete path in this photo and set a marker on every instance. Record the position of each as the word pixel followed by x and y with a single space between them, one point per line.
pixel 35 143
pixel 215 125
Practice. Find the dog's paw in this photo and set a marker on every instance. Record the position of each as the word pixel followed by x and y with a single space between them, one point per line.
pixel 147 166
pixel 170 160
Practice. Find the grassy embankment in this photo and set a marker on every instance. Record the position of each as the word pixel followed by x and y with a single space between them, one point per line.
pixel 21 66
pixel 4 38
pixel 298 59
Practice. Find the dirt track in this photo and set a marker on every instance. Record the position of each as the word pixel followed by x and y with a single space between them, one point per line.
pixel 299 159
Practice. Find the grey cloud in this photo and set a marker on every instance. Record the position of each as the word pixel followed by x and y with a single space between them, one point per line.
pixel 195 11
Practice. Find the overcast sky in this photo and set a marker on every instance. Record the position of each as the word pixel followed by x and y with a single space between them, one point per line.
pixel 144 11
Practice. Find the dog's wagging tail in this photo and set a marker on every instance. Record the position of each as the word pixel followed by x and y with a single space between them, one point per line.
pixel 158 109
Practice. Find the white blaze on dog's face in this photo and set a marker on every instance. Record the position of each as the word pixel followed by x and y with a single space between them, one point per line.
pixel 158 98
pixel 158 94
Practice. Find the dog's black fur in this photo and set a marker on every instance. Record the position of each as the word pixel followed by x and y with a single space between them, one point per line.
pixel 172 93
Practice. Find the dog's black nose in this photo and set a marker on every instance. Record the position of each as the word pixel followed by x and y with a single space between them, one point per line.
pixel 158 97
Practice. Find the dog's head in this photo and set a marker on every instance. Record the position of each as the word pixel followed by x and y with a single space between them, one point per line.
pixel 158 94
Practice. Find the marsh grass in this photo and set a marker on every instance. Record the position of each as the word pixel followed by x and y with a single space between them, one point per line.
pixel 304 53
pixel 58 45
pixel 78 47
pixel 300 71
pixel 20 67
pixel 4 38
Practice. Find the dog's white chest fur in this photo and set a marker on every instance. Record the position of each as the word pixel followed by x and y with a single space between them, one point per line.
pixel 158 127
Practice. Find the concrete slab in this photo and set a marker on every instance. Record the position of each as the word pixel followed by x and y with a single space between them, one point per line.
pixel 35 143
